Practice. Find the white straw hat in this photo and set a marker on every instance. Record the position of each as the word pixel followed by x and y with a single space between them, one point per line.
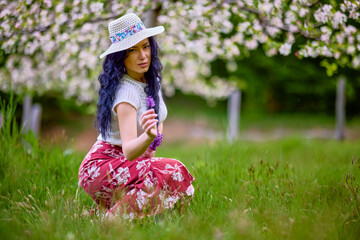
pixel 128 31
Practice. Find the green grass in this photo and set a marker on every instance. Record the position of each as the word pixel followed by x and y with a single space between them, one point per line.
pixel 285 189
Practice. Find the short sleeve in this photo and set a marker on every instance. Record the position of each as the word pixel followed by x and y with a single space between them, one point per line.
pixel 161 97
pixel 163 109
pixel 127 93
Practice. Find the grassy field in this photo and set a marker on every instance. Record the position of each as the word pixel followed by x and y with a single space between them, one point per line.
pixel 285 189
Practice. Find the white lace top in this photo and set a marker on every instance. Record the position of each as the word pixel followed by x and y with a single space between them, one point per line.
pixel 132 92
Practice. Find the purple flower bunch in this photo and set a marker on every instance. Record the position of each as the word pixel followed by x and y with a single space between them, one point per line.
pixel 150 102
pixel 158 139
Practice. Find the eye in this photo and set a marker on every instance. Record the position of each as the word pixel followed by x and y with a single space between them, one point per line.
pixel 147 46
pixel 131 50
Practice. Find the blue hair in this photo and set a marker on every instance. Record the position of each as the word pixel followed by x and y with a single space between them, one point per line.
pixel 109 78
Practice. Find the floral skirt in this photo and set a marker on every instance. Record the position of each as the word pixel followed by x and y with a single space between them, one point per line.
pixel 144 186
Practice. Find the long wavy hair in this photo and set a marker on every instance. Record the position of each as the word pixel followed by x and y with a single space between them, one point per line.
pixel 109 78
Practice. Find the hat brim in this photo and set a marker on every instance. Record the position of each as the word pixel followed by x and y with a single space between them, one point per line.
pixel 133 40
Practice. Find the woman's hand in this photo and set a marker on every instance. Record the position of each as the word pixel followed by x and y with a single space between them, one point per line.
pixel 148 123
pixel 133 145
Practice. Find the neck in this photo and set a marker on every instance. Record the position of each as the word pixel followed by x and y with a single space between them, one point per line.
pixel 140 77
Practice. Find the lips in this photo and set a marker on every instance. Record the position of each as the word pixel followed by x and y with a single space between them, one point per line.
pixel 143 64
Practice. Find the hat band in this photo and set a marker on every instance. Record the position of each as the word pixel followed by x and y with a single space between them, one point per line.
pixel 128 32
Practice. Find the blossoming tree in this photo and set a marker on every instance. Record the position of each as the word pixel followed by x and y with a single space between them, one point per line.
pixel 53 46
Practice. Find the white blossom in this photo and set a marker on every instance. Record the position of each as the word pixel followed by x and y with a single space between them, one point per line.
pixel 227 26
pixel 351 39
pixel 285 49
pixel 242 27
pixel 351 49
pixel 323 14
pixel 325 51
pixel 340 37
pixel 326 33
pixel 350 29
pixel 303 12
pixel 336 55
pixel 272 31
pixel 356 62
pixel 338 19
pixel 249 2
pixel 277 22
pixel 48 3
pixel 257 26
pixel 265 7
pixel 251 44
pixel 290 17
pixel 5 12
pixel 271 52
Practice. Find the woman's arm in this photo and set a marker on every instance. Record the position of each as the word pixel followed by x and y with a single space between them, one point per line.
pixel 149 153
pixel 134 146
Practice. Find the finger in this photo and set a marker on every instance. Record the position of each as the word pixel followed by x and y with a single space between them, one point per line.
pixel 150 111
pixel 145 118
pixel 153 131
pixel 147 114
pixel 149 128
pixel 149 122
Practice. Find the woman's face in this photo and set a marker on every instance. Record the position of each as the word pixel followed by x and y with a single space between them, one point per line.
pixel 138 59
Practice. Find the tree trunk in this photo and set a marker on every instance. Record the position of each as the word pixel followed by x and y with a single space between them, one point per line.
pixel 35 118
pixel 25 122
pixel 234 105
pixel 151 17
pixel 340 109
pixel 31 118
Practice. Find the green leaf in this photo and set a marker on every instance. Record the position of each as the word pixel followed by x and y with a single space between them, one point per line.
pixel 331 68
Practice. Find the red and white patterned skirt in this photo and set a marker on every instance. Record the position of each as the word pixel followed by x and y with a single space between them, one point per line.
pixel 137 188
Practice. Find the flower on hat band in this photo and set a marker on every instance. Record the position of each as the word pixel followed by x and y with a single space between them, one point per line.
pixel 128 32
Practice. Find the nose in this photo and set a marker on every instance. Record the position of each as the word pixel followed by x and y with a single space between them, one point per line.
pixel 142 54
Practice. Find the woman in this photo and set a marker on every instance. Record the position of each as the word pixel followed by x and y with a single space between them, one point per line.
pixel 120 172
